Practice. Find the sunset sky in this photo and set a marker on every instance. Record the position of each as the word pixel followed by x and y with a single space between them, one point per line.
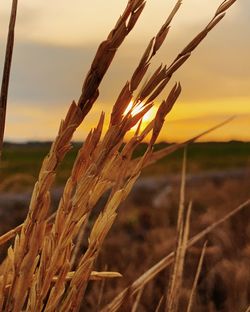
pixel 56 41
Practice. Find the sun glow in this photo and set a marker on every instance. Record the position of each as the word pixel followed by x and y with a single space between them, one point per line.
pixel 134 110
pixel 138 108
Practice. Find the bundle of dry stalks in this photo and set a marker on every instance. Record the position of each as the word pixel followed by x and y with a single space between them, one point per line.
pixel 42 271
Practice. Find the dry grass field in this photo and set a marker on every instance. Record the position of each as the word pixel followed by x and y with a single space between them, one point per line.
pixel 145 230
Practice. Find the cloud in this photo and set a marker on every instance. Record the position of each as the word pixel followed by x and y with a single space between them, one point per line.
pixel 42 73
pixel 64 22
pixel 45 73
pixel 53 52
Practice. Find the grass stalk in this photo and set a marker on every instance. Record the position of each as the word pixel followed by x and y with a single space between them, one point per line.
pixel 197 275
pixel 6 71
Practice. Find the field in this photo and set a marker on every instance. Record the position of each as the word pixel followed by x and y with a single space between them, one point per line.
pixel 23 161
pixel 217 182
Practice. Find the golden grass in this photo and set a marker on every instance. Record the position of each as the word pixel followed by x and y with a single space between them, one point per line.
pixel 183 225
pixel 197 275
pixel 42 271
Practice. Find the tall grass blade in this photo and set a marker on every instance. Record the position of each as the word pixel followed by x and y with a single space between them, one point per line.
pixel 137 300
pixel 197 275
pixel 6 71
pixel 183 223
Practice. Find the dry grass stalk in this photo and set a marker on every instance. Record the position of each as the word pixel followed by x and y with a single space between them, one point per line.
pixel 183 224
pixel 197 275
pixel 137 300
pixel 94 276
pixel 10 234
pixel 159 304
pixel 6 71
pixel 166 261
